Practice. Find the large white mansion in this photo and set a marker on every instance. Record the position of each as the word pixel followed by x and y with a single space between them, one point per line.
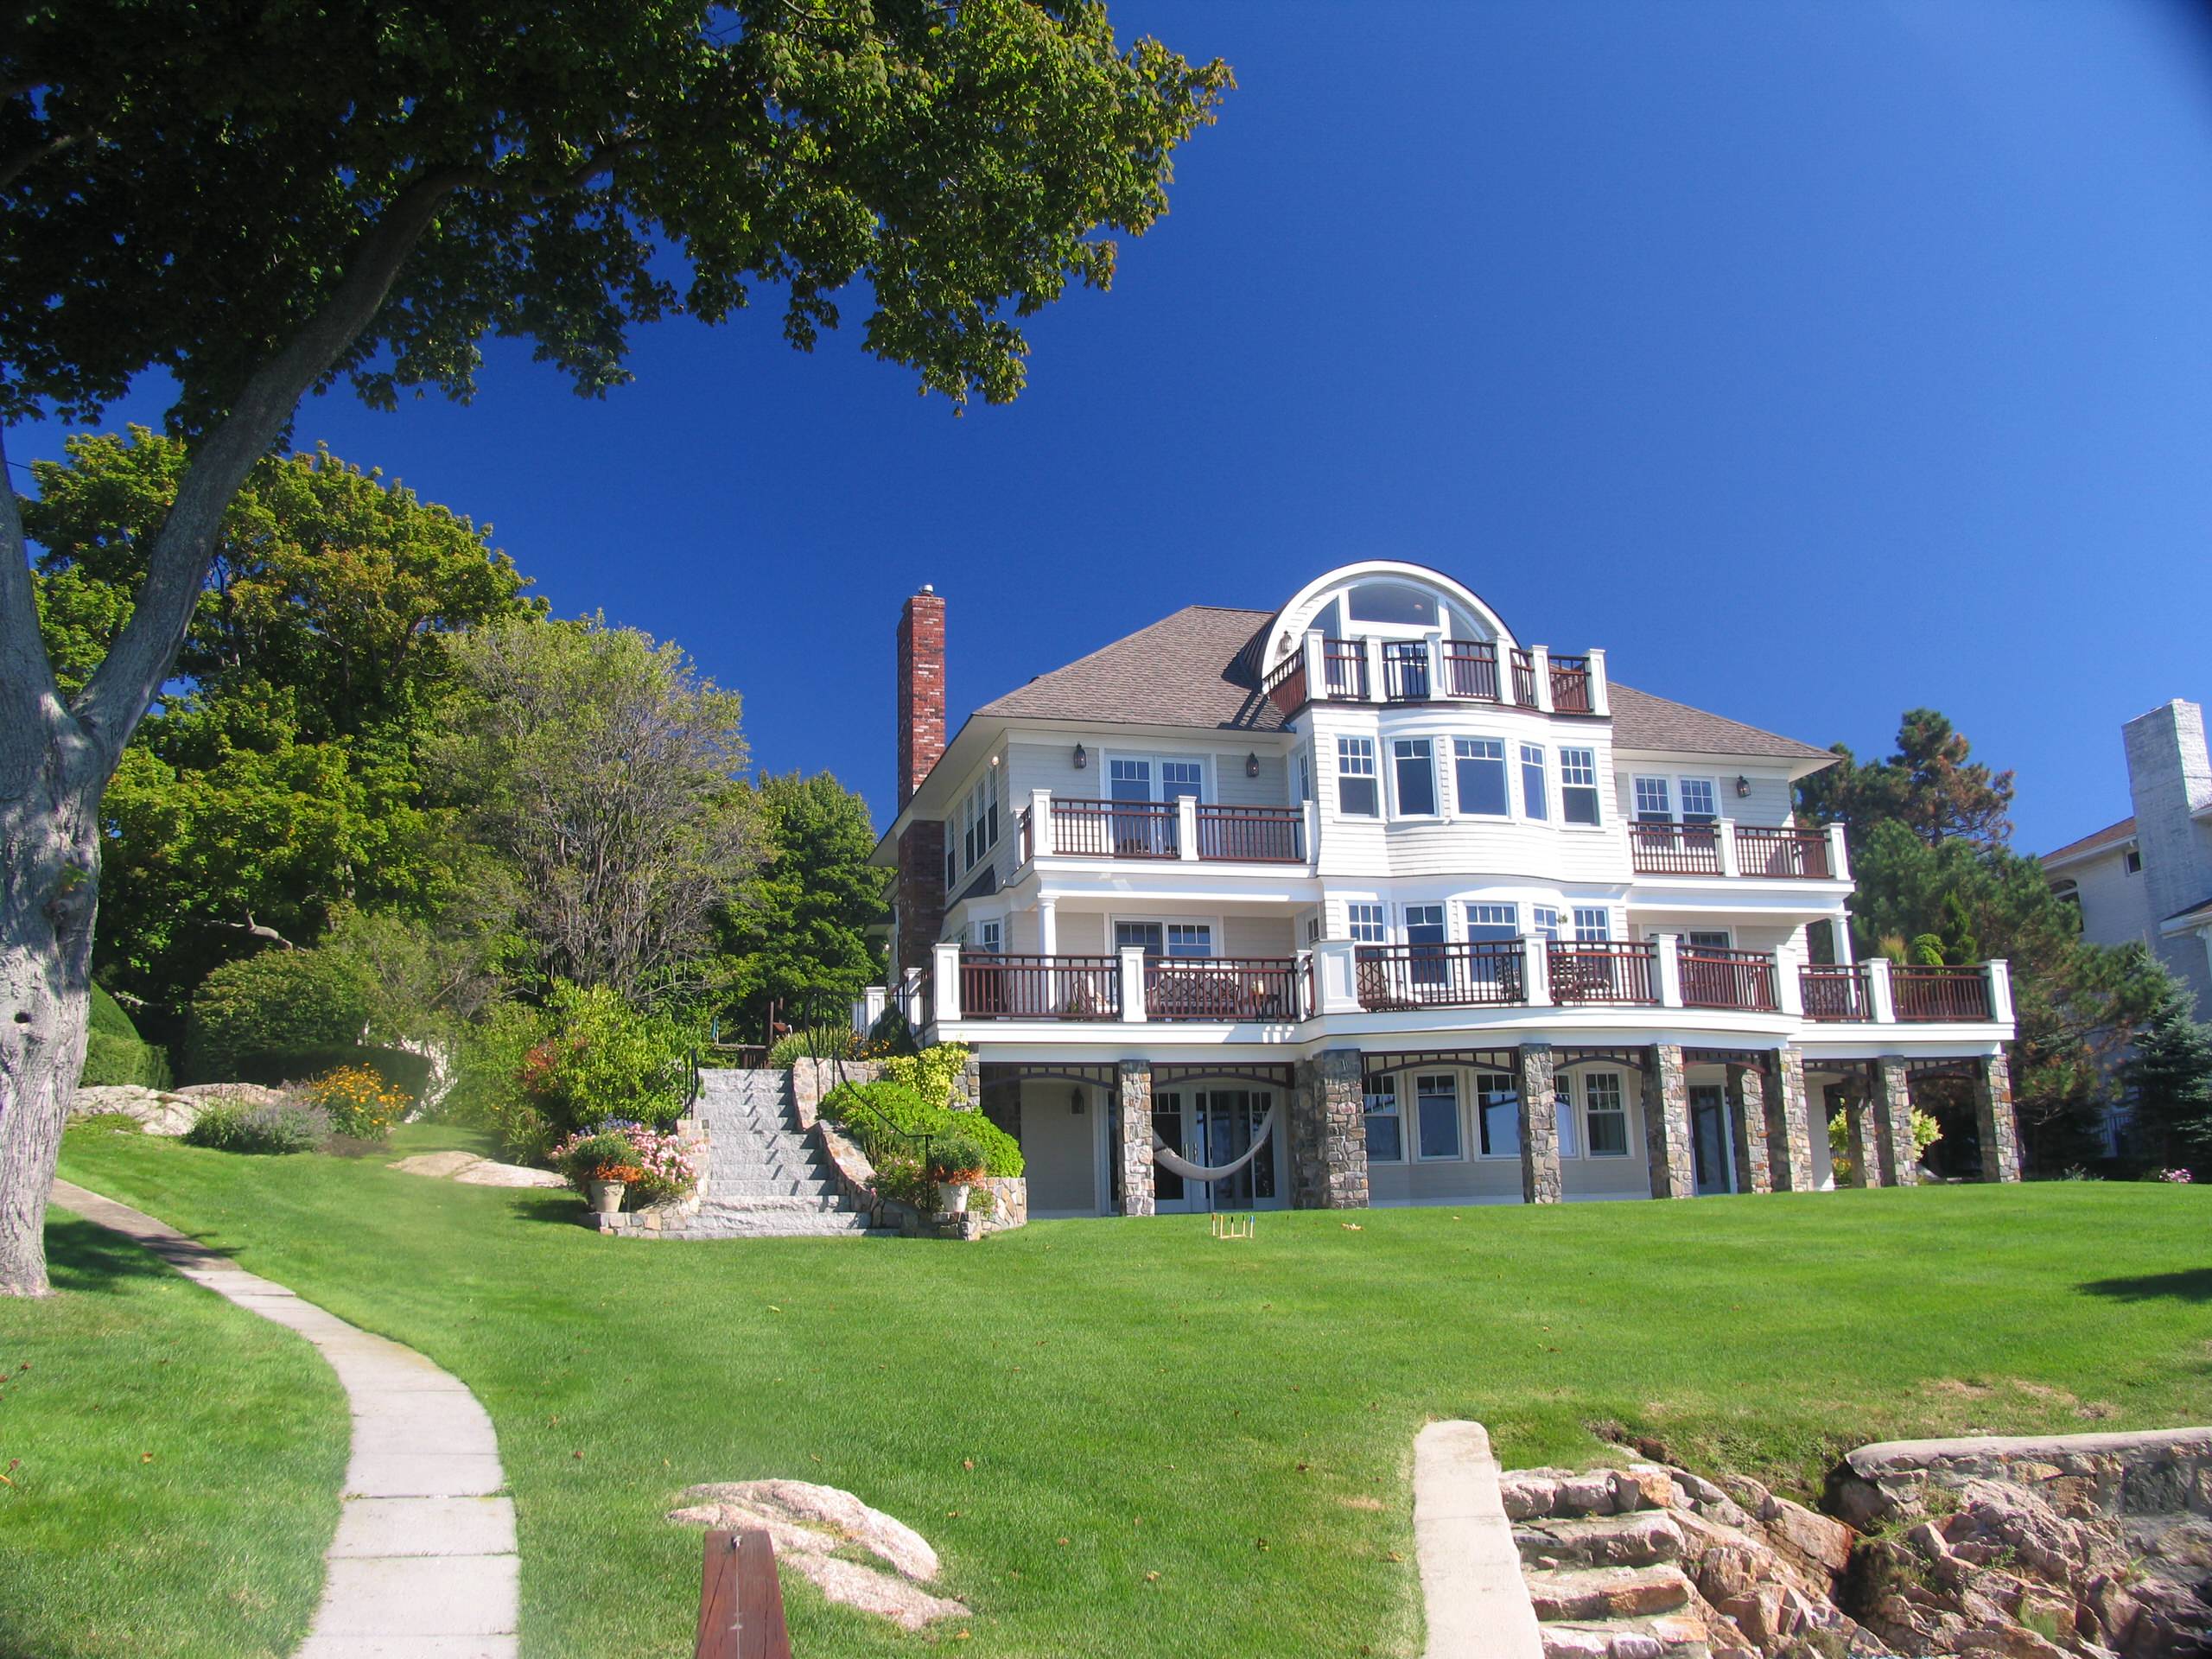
pixel 1362 900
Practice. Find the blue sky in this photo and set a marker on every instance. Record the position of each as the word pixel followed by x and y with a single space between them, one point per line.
pixel 1817 361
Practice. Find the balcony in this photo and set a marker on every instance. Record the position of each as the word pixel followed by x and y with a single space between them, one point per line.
pixel 1876 993
pixel 1617 971
pixel 1930 995
pixel 1722 848
pixel 1161 830
pixel 1395 976
pixel 1712 978
pixel 1040 988
pixel 1228 988
pixel 1435 670
pixel 1839 993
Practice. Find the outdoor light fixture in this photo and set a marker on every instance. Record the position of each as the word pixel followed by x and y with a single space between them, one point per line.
pixel 1075 1101
pixel 1081 758
pixel 1252 765
pixel 1742 785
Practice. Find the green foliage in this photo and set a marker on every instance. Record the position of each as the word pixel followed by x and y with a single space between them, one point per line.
pixel 1926 1132
pixel 606 1156
pixel 487 1092
pixel 871 1112
pixel 279 1127
pixel 2170 1079
pixel 817 1043
pixel 114 1054
pixel 359 1102
pixel 1929 786
pixel 957 1157
pixel 604 1060
pixel 932 1073
pixel 801 934
pixel 1927 950
pixel 261 1010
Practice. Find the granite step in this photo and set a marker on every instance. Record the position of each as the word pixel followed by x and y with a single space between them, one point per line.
pixel 1581 1595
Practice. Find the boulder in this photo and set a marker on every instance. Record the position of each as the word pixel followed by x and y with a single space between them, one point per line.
pixel 156 1111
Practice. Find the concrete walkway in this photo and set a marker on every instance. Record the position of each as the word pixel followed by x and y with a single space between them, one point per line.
pixel 423 1564
pixel 1470 1582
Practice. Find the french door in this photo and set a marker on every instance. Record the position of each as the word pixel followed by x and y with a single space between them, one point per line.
pixel 1211 1128
pixel 1709 1140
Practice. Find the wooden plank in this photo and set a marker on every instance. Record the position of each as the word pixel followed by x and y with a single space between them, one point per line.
pixel 760 1630
pixel 717 1634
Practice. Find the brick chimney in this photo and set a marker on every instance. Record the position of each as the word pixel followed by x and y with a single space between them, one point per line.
pixel 918 902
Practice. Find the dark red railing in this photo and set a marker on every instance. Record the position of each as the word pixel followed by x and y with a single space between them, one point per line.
pixel 1836 992
pixel 1405 671
pixel 1285 685
pixel 1252 835
pixel 1343 670
pixel 1439 976
pixel 741 1603
pixel 1944 993
pixel 1470 670
pixel 1663 848
pixel 1220 988
pixel 1040 988
pixel 1571 685
pixel 1713 978
pixel 1028 835
pixel 1524 679
pixel 1114 829
pixel 1785 853
pixel 1605 970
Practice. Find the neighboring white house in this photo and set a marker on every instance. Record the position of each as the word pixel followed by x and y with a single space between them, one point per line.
pixel 2148 879
pixel 1364 901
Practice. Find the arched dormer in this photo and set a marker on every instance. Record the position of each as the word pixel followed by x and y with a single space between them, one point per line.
pixel 1387 598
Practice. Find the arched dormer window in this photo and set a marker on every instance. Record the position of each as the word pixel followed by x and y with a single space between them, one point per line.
pixel 1395 604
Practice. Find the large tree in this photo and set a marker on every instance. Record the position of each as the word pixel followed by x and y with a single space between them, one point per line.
pixel 1929 786
pixel 264 200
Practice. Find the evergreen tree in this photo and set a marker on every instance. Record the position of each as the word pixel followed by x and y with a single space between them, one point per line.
pixel 2171 1080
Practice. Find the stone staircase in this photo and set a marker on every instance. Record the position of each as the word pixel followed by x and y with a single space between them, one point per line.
pixel 766 1178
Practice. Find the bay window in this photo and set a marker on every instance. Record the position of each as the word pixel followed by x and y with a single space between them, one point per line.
pixel 1356 782
pixel 1413 767
pixel 1478 777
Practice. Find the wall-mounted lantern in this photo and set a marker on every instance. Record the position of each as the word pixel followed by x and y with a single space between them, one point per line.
pixel 1081 758
pixel 1252 765
pixel 1075 1101
pixel 1743 785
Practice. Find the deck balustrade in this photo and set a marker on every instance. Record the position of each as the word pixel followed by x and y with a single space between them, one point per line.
pixel 1441 975
pixel 1605 970
pixel 1836 992
pixel 1221 988
pixel 1933 994
pixel 1713 978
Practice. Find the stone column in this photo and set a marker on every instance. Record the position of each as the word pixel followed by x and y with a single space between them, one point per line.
pixel 1863 1145
pixel 1893 1121
pixel 1994 1119
pixel 1536 1076
pixel 1133 1148
pixel 1747 1083
pixel 1666 1151
pixel 1328 1142
pixel 1789 1139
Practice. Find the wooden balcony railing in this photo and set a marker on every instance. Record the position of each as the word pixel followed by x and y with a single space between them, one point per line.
pixel 1713 978
pixel 1605 970
pixel 1785 853
pixel 1040 988
pixel 1221 988
pixel 1343 670
pixel 1252 835
pixel 1940 993
pixel 1524 678
pixel 1114 829
pixel 1285 684
pixel 1571 685
pixel 1836 992
pixel 1439 976
pixel 1028 835
pixel 1666 848
pixel 1470 670
pixel 1405 671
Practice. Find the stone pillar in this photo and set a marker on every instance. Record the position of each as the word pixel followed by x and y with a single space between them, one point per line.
pixel 1893 1122
pixel 1666 1151
pixel 1132 1149
pixel 1328 1139
pixel 1789 1147
pixel 1747 1083
pixel 1536 1076
pixel 1993 1120
pixel 968 1087
pixel 1868 1167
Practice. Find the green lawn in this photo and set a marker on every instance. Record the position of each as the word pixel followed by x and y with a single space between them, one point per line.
pixel 173 1465
pixel 1069 1409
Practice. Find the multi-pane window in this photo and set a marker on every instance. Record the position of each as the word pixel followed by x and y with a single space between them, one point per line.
pixel 1533 800
pixel 1355 792
pixel 1366 922
pixel 1479 775
pixel 1166 938
pixel 1304 776
pixel 1591 923
pixel 990 937
pixel 1414 767
pixel 1501 1114
pixel 1607 1113
pixel 1570 1142
pixel 1545 920
pixel 979 821
pixel 1189 940
pixel 1700 803
pixel 1179 778
pixel 1578 786
pixel 1493 924
pixel 1436 1106
pixel 1386 1142
pixel 1651 803
pixel 1425 932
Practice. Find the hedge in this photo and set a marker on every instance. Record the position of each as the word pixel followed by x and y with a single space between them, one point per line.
pixel 115 1055
pixel 848 1105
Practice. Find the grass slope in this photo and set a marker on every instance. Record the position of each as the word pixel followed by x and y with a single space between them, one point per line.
pixel 1070 1410
pixel 175 1464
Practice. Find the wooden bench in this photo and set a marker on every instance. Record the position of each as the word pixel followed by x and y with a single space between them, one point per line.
pixel 741 1603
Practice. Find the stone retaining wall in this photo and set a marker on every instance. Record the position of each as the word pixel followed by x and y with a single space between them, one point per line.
pixel 2160 1472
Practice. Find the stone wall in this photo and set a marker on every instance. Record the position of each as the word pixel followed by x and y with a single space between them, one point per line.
pixel 855 1175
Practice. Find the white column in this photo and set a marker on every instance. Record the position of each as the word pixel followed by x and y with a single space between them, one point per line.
pixel 1040 823
pixel 945 980
pixel 1788 984
pixel 875 999
pixel 1539 666
pixel 1840 935
pixel 1879 994
pixel 1729 863
pixel 1535 971
pixel 1317 668
pixel 1670 970
pixel 1370 653
pixel 1311 828
pixel 1048 928
pixel 1186 827
pixel 2000 990
pixel 1839 855
pixel 1601 697
pixel 1133 1008
pixel 1336 976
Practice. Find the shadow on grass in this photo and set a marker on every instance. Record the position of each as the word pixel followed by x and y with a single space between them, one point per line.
pixel 2193 1285
pixel 562 1209
pixel 82 1256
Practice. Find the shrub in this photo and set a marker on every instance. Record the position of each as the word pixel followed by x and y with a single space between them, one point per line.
pixel 250 1015
pixel 931 1073
pixel 600 1155
pixel 817 1043
pixel 114 1054
pixel 488 1084
pixel 902 1178
pixel 956 1157
pixel 863 1109
pixel 604 1061
pixel 667 1168
pixel 280 1127
pixel 360 1103
pixel 890 1035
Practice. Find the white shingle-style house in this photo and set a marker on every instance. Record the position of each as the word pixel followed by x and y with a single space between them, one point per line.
pixel 1362 900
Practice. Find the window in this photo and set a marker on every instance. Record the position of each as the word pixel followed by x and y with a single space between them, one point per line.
pixel 1578 786
pixel 1304 776
pixel 1386 1142
pixel 1314 929
pixel 1546 920
pixel 1180 778
pixel 1533 800
pixel 1366 923
pixel 1700 804
pixel 1413 764
pixel 1608 1114
pixel 1356 797
pixel 1479 777
pixel 1436 1102
pixel 1166 938
pixel 1570 1142
pixel 1189 940
pixel 1392 602
pixel 951 865
pixel 1493 924
pixel 1651 805
pixel 990 937
pixel 2131 862
pixel 1425 930
pixel 1706 938
pixel 1501 1114
pixel 979 821
pixel 1591 923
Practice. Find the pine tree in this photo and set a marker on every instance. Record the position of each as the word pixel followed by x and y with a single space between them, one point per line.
pixel 2170 1077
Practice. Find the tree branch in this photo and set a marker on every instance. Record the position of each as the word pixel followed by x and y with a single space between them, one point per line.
pixel 14 167
pixel 30 705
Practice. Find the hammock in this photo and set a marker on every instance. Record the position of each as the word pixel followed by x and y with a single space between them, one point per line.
pixel 1169 1159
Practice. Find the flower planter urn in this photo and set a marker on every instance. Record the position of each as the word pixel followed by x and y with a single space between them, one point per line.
pixel 955 1197
pixel 605 1197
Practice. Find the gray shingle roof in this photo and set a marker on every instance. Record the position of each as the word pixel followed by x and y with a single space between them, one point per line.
pixel 1196 668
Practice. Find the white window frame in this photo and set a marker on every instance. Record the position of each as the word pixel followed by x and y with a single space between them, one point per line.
pixel 1378 918
pixel 1593 924
pixel 1213 925
pixel 1459 1155
pixel 1616 1105
pixel 1397 794
pixel 1353 749
pixel 990 935
pixel 1460 806
pixel 1533 757
pixel 1377 1088
pixel 1406 921
pixel 1653 798
pixel 1552 930
pixel 1510 918
pixel 1156 763
pixel 1712 788
pixel 1569 1130
pixel 1585 760
pixel 1483 1099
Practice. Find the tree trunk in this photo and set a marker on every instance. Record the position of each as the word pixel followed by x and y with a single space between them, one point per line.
pixel 49 860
